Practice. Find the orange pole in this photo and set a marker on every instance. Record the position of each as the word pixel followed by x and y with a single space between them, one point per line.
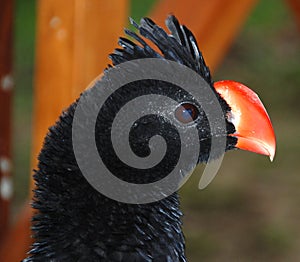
pixel 6 85
pixel 215 23
pixel 73 43
pixel 17 239
pixel 295 6
pixel 74 39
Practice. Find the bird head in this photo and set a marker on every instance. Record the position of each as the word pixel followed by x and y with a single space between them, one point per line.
pixel 247 125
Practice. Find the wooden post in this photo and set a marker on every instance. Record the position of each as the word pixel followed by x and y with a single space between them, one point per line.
pixel 215 23
pixel 17 239
pixel 295 6
pixel 74 39
pixel 6 85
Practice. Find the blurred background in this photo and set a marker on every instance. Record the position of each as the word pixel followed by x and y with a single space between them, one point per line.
pixel 251 211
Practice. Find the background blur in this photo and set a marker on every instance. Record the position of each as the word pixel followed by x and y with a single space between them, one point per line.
pixel 251 211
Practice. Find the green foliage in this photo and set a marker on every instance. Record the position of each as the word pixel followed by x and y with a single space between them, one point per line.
pixel 273 240
pixel 201 246
pixel 140 8
pixel 268 15
pixel 24 39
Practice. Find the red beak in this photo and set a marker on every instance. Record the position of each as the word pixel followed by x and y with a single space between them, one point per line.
pixel 253 126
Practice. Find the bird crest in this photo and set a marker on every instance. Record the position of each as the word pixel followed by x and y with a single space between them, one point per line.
pixel 180 46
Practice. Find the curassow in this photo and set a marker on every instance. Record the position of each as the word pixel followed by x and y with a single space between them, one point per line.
pixel 75 222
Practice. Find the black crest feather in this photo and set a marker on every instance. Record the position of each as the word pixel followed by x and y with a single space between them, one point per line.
pixel 180 46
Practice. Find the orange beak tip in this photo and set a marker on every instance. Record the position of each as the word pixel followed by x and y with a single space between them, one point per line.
pixel 256 146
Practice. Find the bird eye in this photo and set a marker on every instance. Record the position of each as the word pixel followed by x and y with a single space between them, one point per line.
pixel 186 113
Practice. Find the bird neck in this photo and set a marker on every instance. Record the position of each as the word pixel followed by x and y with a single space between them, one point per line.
pixel 88 224
pixel 74 221
pixel 154 229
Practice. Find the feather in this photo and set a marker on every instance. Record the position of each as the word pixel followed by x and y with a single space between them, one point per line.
pixel 180 46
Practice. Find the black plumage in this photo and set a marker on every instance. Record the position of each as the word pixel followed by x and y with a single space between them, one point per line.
pixel 74 222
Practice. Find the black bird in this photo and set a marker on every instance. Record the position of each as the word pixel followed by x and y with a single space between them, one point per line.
pixel 74 222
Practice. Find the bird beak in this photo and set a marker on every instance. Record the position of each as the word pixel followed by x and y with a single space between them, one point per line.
pixel 253 126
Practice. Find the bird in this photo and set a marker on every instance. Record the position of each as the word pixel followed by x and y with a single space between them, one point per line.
pixel 75 222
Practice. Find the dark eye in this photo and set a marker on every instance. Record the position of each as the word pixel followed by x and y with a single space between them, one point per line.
pixel 186 113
